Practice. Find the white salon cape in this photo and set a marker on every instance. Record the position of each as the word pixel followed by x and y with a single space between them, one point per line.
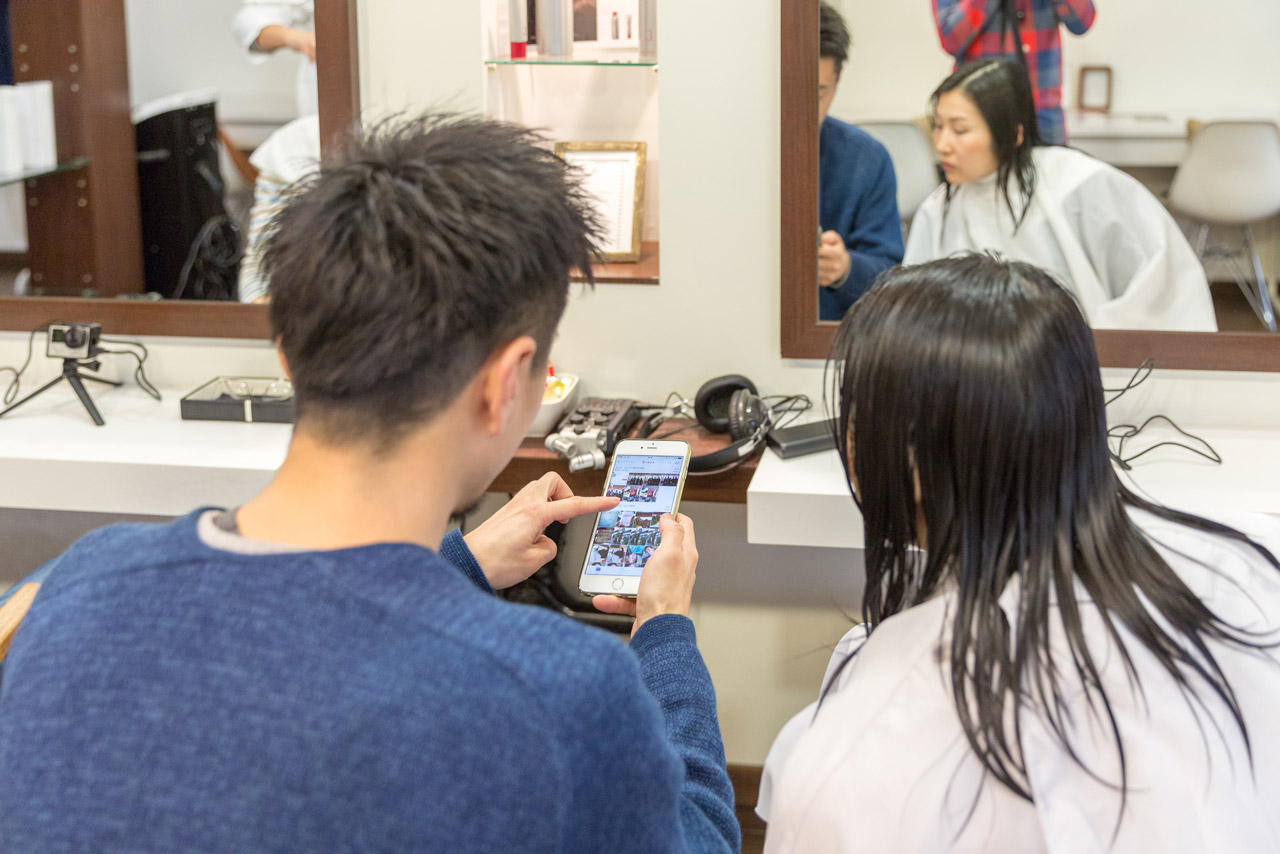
pixel 1096 229
pixel 885 767
pixel 255 15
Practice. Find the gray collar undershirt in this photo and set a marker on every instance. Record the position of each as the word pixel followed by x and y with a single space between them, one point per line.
pixel 217 529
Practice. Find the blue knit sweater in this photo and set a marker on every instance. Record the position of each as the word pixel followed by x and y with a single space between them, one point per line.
pixel 162 695
pixel 857 197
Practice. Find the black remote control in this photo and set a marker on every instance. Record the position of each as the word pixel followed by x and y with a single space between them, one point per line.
pixel 613 416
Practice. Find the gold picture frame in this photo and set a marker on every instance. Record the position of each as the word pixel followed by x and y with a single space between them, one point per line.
pixel 613 174
pixel 1094 91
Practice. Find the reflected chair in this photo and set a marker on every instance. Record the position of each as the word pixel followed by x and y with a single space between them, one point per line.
pixel 914 162
pixel 1230 177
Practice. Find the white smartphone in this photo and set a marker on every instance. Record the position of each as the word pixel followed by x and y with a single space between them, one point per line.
pixel 648 477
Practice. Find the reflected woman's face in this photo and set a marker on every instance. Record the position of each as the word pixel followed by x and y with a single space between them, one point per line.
pixel 962 139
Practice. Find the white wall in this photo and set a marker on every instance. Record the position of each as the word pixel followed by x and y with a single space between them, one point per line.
pixel 184 45
pixel 1192 58
pixel 719 217
pixel 894 63
pixel 422 54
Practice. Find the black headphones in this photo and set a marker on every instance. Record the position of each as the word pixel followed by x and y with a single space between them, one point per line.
pixel 729 404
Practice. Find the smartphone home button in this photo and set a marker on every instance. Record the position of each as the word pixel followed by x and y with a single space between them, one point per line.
pixel 617 584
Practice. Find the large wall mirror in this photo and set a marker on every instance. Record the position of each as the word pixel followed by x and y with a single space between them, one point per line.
pixel 896 61
pixel 82 223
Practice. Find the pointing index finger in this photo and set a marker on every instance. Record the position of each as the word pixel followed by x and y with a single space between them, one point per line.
pixel 556 487
pixel 578 505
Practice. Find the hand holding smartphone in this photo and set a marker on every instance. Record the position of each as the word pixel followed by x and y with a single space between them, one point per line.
pixel 648 478
pixel 666 586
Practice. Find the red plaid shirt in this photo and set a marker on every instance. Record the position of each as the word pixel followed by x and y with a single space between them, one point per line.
pixel 1038 24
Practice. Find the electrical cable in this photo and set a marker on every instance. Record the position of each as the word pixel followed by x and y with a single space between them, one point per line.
pixel 793 405
pixel 1141 375
pixel 216 263
pixel 214 255
pixel 789 406
pixel 139 373
pixel 11 392
pixel 782 410
pixel 1123 433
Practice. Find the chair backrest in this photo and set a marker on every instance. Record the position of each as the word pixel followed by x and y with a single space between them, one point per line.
pixel 913 159
pixel 12 612
pixel 1231 173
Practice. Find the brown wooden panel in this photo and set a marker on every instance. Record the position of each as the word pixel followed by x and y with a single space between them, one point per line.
pixel 140 317
pixel 43 32
pixel 533 460
pixel 60 251
pixel 799 285
pixel 337 68
pixel 1216 351
pixel 1222 351
pixel 83 227
pixel 60 232
pixel 746 792
pixel 109 139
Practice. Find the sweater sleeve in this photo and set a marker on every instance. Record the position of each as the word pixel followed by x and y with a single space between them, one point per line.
pixel 874 239
pixel 674 672
pixel 454 549
pixel 958 21
pixel 1076 15
pixel 645 761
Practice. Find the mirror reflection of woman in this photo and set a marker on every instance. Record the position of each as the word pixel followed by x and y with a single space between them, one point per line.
pixel 1050 662
pixel 1098 230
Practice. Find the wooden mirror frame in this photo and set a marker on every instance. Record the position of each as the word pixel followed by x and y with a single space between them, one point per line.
pixel 338 83
pixel 806 337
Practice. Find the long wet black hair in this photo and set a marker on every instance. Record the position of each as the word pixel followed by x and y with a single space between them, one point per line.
pixel 1001 91
pixel 979 377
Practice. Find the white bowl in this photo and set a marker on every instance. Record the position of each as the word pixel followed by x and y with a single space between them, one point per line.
pixel 549 414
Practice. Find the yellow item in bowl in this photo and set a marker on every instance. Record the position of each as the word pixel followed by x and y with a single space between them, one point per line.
pixel 555 391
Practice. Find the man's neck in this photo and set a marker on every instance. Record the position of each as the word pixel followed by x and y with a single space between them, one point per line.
pixel 331 497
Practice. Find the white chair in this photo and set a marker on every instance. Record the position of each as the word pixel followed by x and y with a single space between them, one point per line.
pixel 1231 177
pixel 914 162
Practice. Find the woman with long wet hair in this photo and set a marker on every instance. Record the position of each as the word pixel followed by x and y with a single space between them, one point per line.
pixel 1097 229
pixel 1050 662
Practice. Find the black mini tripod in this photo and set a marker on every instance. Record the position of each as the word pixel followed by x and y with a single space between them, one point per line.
pixel 71 373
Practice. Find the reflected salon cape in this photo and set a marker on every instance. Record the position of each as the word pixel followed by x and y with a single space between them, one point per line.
pixel 1096 229
pixel 884 765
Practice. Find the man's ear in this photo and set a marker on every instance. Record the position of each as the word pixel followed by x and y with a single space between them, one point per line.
pixel 284 362
pixel 501 377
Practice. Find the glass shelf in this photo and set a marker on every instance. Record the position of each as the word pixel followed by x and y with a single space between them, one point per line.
pixel 67 166
pixel 582 56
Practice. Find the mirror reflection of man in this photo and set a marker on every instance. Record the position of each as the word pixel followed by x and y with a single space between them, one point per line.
pixel 857 190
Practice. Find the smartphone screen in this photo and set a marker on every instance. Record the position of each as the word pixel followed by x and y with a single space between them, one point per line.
pixel 647 486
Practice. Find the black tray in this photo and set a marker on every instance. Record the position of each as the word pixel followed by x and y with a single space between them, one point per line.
pixel 240 399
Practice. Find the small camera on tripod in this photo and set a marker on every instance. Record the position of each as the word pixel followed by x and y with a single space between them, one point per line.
pixel 73 340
